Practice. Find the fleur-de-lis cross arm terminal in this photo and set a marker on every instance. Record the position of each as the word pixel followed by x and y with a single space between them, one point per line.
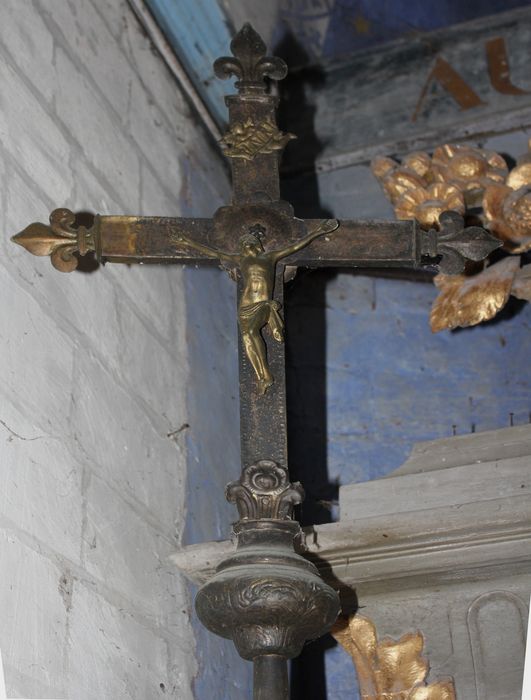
pixel 456 243
pixel 60 240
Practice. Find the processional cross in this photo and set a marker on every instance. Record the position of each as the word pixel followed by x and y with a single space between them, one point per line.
pixel 266 597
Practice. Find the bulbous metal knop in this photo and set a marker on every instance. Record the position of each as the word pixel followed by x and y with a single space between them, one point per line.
pixel 265 597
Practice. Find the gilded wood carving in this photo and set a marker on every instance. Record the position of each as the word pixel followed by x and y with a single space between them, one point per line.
pixel 389 669
pixel 477 184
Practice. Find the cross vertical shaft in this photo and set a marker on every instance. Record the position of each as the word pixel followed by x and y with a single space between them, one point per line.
pixel 263 426
pixel 254 144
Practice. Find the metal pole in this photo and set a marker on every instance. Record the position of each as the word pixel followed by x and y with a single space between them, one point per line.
pixel 271 678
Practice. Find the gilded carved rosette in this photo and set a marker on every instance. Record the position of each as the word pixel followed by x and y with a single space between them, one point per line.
pixel 475 183
pixel 389 669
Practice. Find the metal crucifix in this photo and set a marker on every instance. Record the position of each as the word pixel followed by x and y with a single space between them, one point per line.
pixel 271 605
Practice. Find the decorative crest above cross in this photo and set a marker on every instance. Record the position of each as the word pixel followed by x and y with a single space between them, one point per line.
pixel 268 614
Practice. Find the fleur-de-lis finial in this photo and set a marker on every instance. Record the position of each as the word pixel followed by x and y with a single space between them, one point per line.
pixel 60 240
pixel 457 243
pixel 250 63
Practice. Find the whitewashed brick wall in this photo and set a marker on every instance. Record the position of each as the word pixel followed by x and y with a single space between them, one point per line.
pixel 93 367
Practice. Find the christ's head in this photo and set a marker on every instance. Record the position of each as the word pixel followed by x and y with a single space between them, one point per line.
pixel 251 242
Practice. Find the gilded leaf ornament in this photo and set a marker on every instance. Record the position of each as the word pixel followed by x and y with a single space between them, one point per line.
pixel 60 240
pixel 388 669
pixel 247 140
pixel 474 183
pixel 469 300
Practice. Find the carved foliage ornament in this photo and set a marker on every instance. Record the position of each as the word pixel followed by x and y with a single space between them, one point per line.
pixel 264 491
pixel 389 669
pixel 459 177
pixel 60 240
pixel 247 140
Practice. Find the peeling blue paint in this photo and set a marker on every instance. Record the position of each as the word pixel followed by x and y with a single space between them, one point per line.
pixel 199 33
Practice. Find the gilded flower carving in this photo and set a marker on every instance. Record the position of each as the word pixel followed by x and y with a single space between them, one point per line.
pixel 520 176
pixel 397 178
pixel 507 207
pixel 456 178
pixel 508 213
pixel 426 204
pixel 389 669
pixel 467 168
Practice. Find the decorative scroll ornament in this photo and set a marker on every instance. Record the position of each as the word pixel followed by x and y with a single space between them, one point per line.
pixel 250 63
pixel 247 140
pixel 462 177
pixel 389 670
pixel 264 491
pixel 60 240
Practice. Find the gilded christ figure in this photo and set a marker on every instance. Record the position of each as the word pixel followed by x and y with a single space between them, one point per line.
pixel 257 307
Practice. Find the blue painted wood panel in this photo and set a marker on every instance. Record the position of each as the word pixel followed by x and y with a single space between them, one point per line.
pixel 337 28
pixel 199 33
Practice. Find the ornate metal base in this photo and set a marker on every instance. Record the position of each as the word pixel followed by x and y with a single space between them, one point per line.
pixel 269 600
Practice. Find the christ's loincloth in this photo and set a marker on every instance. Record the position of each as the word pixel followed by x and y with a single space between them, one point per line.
pixel 255 316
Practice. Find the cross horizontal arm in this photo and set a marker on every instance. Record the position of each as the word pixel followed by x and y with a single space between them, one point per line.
pixel 131 239
pixel 362 244
pixel 398 244
pixel 198 241
pixel 155 239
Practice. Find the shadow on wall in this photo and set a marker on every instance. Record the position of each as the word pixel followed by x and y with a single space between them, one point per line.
pixel 305 350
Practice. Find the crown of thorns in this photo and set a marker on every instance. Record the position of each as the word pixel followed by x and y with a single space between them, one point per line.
pixel 257 230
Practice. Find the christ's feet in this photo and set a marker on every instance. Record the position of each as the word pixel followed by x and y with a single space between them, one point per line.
pixel 264 384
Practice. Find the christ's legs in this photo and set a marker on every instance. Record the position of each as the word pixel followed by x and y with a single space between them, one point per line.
pixel 252 320
pixel 255 350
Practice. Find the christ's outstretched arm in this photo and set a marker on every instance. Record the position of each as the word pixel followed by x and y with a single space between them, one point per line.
pixel 325 226
pixel 205 249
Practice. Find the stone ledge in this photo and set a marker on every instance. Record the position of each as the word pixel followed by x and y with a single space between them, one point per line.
pixel 476 448
pixel 448 515
pixel 435 545
pixel 449 472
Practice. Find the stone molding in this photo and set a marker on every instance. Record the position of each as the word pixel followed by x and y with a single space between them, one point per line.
pixel 434 526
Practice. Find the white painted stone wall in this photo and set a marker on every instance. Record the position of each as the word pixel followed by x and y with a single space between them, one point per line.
pixel 93 368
